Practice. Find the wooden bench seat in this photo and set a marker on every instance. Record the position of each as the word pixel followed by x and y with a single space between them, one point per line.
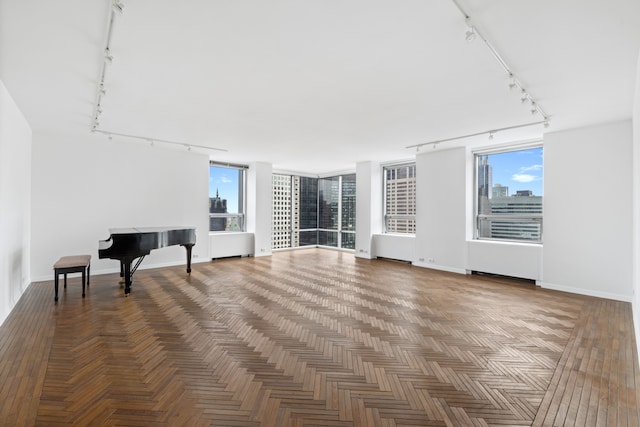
pixel 73 264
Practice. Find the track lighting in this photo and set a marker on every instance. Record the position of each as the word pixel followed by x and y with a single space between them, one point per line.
pixel 153 141
pixel 108 58
pixel 470 35
pixel 514 83
pixel 117 6
pixel 490 132
pixel 534 109
pixel 103 91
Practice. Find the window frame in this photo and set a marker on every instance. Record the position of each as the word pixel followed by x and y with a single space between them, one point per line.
pixel 533 218
pixel 241 215
pixel 385 215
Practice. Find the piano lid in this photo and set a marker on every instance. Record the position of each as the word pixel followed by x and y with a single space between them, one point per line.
pixel 136 230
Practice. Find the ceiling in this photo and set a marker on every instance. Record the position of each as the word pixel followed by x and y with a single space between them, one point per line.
pixel 317 85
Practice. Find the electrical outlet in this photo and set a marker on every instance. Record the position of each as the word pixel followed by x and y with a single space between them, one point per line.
pixel 431 260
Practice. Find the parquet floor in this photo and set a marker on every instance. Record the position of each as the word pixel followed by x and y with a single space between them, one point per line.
pixel 315 338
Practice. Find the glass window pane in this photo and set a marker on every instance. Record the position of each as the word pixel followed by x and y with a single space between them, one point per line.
pixel 226 196
pixel 348 202
pixel 349 240
pixel 328 196
pixel 510 195
pixel 400 198
pixel 328 238
pixel 308 238
pixel 308 203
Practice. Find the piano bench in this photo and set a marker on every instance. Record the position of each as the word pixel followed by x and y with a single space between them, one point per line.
pixel 72 264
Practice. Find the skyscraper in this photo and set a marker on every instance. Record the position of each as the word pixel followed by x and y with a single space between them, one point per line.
pixel 400 200
pixel 217 205
pixel 281 212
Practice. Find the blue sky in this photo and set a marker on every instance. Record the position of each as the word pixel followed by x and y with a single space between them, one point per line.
pixel 225 180
pixel 518 170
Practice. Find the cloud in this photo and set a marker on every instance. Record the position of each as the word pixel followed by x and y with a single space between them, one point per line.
pixel 225 180
pixel 524 177
pixel 531 168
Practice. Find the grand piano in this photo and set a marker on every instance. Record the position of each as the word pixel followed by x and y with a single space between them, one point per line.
pixel 130 244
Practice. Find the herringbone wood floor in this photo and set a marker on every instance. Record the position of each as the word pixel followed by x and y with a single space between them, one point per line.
pixel 315 338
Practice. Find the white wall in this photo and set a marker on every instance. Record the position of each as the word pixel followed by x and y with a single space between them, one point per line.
pixel 84 185
pixel 636 207
pixel 505 258
pixel 15 203
pixel 368 207
pixel 259 206
pixel 587 211
pixel 395 246
pixel 441 209
pixel 226 244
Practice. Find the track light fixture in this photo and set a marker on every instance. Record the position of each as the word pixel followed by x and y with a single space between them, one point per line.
pixel 152 141
pixel 470 35
pixel 117 6
pixel 490 132
pixel 108 58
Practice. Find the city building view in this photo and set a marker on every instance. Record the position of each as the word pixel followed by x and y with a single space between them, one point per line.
pixel 506 216
pixel 226 198
pixel 313 211
pixel 400 198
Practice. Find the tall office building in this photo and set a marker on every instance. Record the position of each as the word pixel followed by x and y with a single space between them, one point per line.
pixel 494 200
pixel 217 205
pixel 282 214
pixel 308 209
pixel 295 211
pixel 523 228
pixel 499 191
pixel 400 200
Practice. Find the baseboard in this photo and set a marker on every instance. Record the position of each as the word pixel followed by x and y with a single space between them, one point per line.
pixel 440 267
pixel 587 292
pixel 143 266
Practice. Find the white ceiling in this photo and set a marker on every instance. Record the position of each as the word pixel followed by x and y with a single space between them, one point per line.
pixel 317 85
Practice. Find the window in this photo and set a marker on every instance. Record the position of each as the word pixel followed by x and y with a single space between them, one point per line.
pixel 337 211
pixel 295 211
pixel 313 211
pixel 509 195
pixel 400 198
pixel 227 197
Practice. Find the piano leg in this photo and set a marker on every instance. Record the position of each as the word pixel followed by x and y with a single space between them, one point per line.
pixel 127 277
pixel 188 247
pixel 121 273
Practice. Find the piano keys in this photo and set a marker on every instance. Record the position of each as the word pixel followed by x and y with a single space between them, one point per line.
pixel 130 244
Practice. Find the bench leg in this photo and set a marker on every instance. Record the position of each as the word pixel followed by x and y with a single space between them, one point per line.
pixel 88 274
pixel 65 280
pixel 56 286
pixel 83 279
